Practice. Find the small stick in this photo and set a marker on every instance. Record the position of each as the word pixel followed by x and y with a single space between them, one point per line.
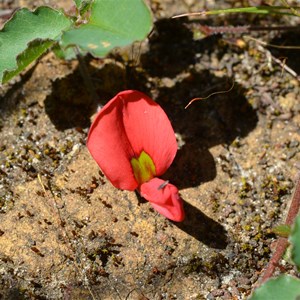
pixel 282 242
pixel 282 64
pixel 295 205
pixel 281 245
pixel 274 45
pixel 210 30
pixel 293 10
pixel 204 98
pixel 286 67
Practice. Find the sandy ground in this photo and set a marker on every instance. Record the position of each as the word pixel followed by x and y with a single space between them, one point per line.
pixel 67 233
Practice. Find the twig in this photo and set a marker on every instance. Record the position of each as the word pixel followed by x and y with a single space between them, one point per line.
pixel 278 61
pixel 282 242
pixel 293 10
pixel 251 9
pixel 210 30
pixel 286 67
pixel 274 45
pixel 214 93
pixel 281 245
pixel 191 14
pixel 295 205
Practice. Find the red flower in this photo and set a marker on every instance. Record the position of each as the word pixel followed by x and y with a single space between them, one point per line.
pixel 133 142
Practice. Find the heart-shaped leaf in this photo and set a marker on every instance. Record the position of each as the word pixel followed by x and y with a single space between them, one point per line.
pixel 26 36
pixel 284 287
pixel 112 24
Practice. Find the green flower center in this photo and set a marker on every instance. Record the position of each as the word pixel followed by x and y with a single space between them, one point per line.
pixel 143 168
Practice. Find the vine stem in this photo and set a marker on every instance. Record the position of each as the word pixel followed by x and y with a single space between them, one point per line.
pixel 282 242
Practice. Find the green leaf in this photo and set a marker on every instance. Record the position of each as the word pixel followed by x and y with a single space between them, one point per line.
pixel 78 3
pixel 284 287
pixel 33 51
pixel 295 240
pixel 112 24
pixel 66 54
pixel 83 5
pixel 26 36
pixel 282 230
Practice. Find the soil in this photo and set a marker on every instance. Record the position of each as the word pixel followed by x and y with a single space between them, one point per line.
pixel 67 233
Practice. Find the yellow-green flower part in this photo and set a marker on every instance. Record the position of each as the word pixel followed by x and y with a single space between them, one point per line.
pixel 143 168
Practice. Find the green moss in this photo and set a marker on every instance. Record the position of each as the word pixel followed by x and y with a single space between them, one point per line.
pixel 24 112
pixel 37 156
pixel 63 150
pixel 257 218
pixel 236 143
pixel 247 227
pixel 246 247
pixel 258 236
pixel 245 189
pixel 194 265
pixel 46 151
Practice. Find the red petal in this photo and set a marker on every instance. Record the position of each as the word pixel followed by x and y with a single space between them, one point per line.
pixel 164 198
pixel 148 128
pixel 128 124
pixel 108 144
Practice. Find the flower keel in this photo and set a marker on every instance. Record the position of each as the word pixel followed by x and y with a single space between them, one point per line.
pixel 164 198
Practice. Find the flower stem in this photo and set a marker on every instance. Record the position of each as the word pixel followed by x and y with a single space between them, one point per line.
pixel 86 75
